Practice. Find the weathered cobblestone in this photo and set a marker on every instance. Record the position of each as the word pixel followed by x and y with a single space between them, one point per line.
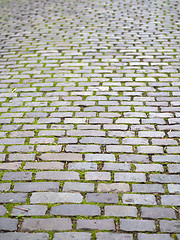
pixel 72 236
pixel 89 119
pixel 49 224
pixel 106 224
pixel 114 236
pixel 24 236
pixel 78 209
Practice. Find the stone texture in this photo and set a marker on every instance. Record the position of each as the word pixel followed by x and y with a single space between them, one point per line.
pixel 106 224
pixel 51 197
pixel 24 236
pixel 72 236
pixel 48 224
pixel 75 209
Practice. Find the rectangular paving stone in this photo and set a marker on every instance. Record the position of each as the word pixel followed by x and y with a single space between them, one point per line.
pixel 10 166
pixel 137 225
pixel 146 199
pixel 120 211
pixel 17 176
pixel 15 157
pixel 105 224
pixel 100 157
pixel 44 165
pixel 173 168
pixel 147 188
pixel 24 236
pixel 13 197
pixel 113 236
pixel 149 168
pixel 133 158
pixel 7 224
pixel 57 175
pixel 102 197
pixel 48 224
pixel 5 187
pixel 72 236
pixel 129 177
pixel 36 186
pixel 61 157
pixel 76 209
pixel 87 133
pixel 117 166
pixel 55 197
pixel 174 188
pixel 82 148
pixel 29 210
pixel 113 187
pixel 150 149
pixel 157 212
pixel 82 166
pixel 172 200
pixel 142 236
pixel 98 176
pixel 3 210
pixel 119 148
pixel 170 226
pixel 164 178
pixel 78 187
pixel 46 148
pixel 166 158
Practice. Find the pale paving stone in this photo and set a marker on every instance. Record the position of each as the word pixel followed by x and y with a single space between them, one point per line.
pixel 52 197
pixel 78 187
pixel 61 157
pixel 48 224
pixel 57 175
pixel 44 165
pixel 76 209
pixel 24 236
pixel 72 236
pixel 113 236
pixel 100 157
pixel 113 187
pixel 31 210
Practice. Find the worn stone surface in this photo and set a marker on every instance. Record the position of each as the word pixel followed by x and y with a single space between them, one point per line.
pixel 49 224
pixel 72 236
pixel 76 209
pixel 89 119
pixel 24 236
pixel 52 197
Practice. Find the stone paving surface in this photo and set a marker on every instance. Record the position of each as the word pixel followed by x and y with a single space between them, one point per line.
pixel 89 120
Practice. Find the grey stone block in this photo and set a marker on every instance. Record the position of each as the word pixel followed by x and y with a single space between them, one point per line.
pixel 7 224
pixel 146 199
pixel 72 236
pixel 52 197
pixel 113 187
pixel 78 187
pixel 142 236
pixel 24 236
pixel 48 224
pixel 102 197
pixel 105 224
pixel 120 211
pixel 170 226
pixel 29 210
pixel 76 209
pixel 13 197
pixel 113 236
pixel 57 175
pixel 137 225
pixel 36 186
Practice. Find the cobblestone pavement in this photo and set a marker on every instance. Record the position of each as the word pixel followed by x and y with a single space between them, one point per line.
pixel 89 120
